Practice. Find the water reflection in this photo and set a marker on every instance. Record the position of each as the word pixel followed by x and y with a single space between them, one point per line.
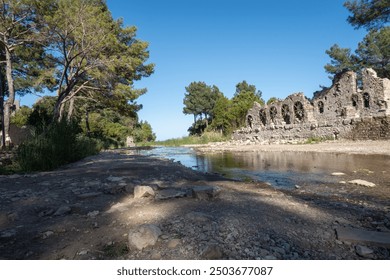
pixel 281 169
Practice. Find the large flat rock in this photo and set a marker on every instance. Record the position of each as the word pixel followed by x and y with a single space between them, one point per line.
pixel 376 238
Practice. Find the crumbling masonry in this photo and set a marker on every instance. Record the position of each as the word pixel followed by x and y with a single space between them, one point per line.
pixel 349 109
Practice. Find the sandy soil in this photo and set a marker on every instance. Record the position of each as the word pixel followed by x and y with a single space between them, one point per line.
pixel 86 210
pixel 340 146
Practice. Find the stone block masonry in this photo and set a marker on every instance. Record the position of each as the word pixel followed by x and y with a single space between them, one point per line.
pixel 351 108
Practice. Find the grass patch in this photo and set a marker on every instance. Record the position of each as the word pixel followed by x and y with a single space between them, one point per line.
pixel 206 138
pixel 59 144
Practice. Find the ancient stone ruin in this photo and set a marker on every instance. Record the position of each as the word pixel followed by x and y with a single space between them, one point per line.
pixel 351 108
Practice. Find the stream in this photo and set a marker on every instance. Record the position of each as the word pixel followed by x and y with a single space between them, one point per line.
pixel 280 169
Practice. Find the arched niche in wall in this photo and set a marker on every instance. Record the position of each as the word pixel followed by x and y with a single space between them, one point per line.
pixel 299 111
pixel 286 114
pixel 273 112
pixel 263 116
pixel 320 105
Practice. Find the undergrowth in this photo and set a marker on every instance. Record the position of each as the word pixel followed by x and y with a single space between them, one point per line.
pixel 58 144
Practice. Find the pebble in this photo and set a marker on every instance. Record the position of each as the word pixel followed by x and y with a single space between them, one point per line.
pixel 363 251
pixel 363 183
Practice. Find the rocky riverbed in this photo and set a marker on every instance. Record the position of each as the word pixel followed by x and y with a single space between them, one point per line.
pixel 120 205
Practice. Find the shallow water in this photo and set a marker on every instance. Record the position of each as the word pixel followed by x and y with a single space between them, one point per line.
pixel 280 169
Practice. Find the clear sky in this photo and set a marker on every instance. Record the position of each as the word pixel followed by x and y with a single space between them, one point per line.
pixel 278 46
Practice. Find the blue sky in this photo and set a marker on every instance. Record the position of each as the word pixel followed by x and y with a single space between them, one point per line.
pixel 279 46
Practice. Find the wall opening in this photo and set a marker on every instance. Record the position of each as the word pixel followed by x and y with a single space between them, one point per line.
pixel 286 114
pixel 366 100
pixel 321 107
pixel 299 111
pixel 273 112
pixel 355 101
pixel 263 116
pixel 250 121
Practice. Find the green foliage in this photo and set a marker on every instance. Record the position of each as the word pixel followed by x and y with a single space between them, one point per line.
pixel 272 100
pixel 109 127
pixel 374 50
pixel 21 117
pixel 200 100
pixel 223 118
pixel 59 144
pixel 371 14
pixel 244 98
pixel 42 113
pixel 220 113
pixel 97 57
pixel 341 59
pixel 143 133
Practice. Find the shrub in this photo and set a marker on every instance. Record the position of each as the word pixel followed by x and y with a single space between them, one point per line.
pixel 59 144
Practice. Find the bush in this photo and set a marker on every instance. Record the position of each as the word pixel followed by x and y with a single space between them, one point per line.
pixel 59 144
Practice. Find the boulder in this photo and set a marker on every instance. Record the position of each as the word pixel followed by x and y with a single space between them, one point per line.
pixel 143 236
pixel 170 193
pixel 205 192
pixel 143 191
pixel 362 183
pixel 363 251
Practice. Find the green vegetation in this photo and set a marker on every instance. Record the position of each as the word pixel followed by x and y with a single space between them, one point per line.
pixel 205 138
pixel 374 50
pixel 75 49
pixel 59 144
pixel 220 114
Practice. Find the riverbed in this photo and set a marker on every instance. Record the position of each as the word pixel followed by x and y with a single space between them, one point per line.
pixel 280 169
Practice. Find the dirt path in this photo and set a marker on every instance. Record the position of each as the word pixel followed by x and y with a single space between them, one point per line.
pixel 86 210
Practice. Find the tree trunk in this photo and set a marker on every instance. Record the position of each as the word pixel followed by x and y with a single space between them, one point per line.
pixel 70 109
pixel 87 121
pixel 59 106
pixel 11 96
pixel 2 94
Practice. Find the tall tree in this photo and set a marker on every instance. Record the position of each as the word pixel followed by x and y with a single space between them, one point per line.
pixel 341 59
pixel 200 100
pixel 223 117
pixel 19 32
pixel 374 51
pixel 244 98
pixel 371 14
pixel 96 56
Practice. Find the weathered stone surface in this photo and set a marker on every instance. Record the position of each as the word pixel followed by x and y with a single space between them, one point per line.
pixel 170 193
pixel 212 252
pixel 198 217
pixel 143 236
pixel 143 191
pixel 364 236
pixel 205 192
pixel 173 243
pixel 363 183
pixel 63 210
pixel 363 251
pixel 342 111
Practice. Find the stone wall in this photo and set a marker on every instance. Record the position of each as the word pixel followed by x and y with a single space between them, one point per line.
pixel 350 108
